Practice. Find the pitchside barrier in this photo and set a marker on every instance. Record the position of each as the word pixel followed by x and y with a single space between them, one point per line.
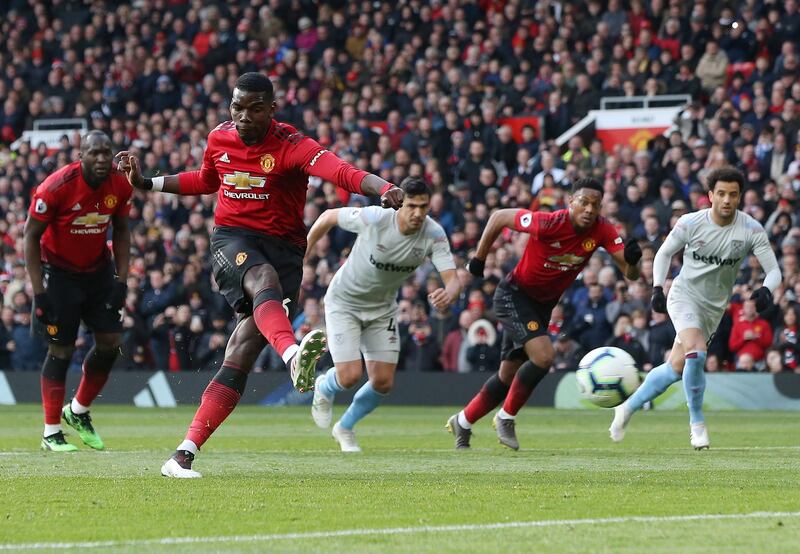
pixel 730 391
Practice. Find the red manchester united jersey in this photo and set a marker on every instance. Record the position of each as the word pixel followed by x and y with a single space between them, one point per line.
pixel 555 253
pixel 78 217
pixel 263 187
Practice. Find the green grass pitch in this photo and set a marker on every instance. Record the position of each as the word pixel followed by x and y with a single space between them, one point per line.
pixel 274 482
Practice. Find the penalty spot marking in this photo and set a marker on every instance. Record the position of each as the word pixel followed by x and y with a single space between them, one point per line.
pixel 166 541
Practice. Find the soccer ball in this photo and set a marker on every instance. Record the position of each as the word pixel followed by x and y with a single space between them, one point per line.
pixel 607 376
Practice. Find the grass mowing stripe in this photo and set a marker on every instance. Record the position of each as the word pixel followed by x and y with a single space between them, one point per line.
pixel 395 531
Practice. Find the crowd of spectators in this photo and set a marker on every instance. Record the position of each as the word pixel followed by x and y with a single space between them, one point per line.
pixel 416 88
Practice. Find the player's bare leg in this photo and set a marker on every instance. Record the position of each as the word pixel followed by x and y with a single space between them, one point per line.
pixel 220 397
pixel 96 370
pixel 491 395
pixel 271 316
pixel 540 358
pixel 53 384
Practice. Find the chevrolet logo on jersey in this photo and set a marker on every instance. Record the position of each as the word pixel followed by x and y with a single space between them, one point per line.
pixel 90 222
pixel 567 259
pixel 243 181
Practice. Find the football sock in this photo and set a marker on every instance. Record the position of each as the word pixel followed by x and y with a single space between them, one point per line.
pixel 188 445
pixel 655 383
pixel 488 398
pixel 96 369
pixel 694 384
pixel 272 321
pixel 53 384
pixel 219 400
pixel 329 386
pixel 50 429
pixel 502 414
pixel 365 400
pixel 526 379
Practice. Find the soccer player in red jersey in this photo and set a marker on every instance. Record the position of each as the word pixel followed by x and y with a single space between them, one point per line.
pixel 74 279
pixel 560 246
pixel 259 169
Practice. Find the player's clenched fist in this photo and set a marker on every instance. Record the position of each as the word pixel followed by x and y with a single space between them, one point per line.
pixel 762 298
pixel 440 300
pixel 392 197
pixel 476 266
pixel 659 302
pixel 632 252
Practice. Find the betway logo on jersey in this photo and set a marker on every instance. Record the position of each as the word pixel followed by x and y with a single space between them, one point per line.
pixel 243 183
pixel 90 224
pixel 715 260
pixel 388 266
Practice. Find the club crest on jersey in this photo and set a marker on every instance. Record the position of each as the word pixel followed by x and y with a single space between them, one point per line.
pixel 52 330
pixel 533 325
pixel 267 162
pixel 110 201
pixel 417 252
pixel 241 257
pixel 737 247
pixel 589 244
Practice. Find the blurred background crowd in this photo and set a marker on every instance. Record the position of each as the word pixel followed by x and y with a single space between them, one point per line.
pixel 417 88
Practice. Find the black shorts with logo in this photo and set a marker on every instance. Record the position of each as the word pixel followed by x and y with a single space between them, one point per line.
pixel 523 318
pixel 78 297
pixel 235 250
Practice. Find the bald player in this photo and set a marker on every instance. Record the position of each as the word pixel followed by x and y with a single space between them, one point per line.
pixel 76 278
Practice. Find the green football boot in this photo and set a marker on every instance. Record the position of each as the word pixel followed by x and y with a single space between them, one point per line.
pixel 57 443
pixel 82 423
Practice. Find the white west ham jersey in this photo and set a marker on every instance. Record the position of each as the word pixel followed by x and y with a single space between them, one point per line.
pixel 382 257
pixel 712 255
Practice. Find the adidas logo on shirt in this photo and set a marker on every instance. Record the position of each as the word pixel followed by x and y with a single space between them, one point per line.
pixel 224 158
pixel 76 207
pixel 556 245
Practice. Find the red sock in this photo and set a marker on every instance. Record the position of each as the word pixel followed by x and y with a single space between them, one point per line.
pixel 96 369
pixel 518 394
pixel 52 399
pixel 489 397
pixel 217 404
pixel 272 321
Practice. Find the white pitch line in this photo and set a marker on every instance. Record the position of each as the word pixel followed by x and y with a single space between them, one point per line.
pixel 166 541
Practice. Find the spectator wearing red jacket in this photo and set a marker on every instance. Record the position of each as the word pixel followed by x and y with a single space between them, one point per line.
pixel 750 336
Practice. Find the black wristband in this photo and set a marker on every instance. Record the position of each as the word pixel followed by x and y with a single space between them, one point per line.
pixel 147 184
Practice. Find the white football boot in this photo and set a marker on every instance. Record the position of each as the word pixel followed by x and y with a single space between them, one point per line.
pixel 346 438
pixel 621 418
pixel 321 406
pixel 698 436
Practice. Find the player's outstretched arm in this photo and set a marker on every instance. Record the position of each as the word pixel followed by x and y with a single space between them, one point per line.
pixel 498 221
pixel 322 225
pixel 188 183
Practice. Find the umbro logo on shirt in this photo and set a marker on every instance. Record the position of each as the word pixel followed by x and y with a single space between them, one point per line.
pixel 224 158
pixel 76 207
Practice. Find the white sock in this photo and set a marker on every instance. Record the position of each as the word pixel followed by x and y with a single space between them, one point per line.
pixel 51 429
pixel 462 420
pixel 188 445
pixel 502 414
pixel 289 353
pixel 77 407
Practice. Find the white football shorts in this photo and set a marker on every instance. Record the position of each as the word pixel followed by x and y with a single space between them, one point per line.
pixel 353 331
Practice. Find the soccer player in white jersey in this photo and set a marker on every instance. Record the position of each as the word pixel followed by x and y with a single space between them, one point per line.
pixel 715 241
pixel 360 304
